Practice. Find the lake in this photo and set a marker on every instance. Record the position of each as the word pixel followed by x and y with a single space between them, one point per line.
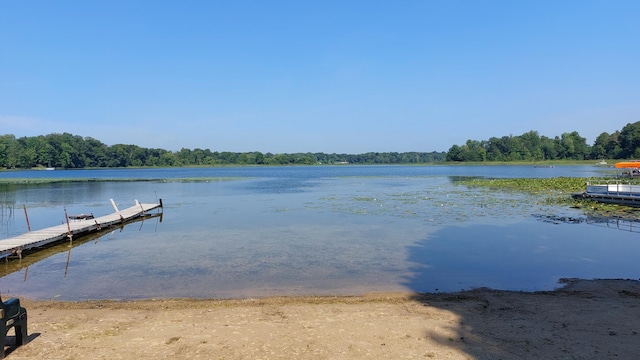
pixel 243 232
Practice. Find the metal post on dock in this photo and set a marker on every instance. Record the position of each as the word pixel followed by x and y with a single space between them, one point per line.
pixel 115 207
pixel 27 217
pixel 141 207
pixel 68 226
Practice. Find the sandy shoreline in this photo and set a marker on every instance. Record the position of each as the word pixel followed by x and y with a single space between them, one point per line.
pixel 586 319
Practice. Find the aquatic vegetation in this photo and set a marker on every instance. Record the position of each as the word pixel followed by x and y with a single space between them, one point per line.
pixel 562 184
pixel 37 181
pixel 360 198
pixel 198 180
pixel 435 203
pixel 556 192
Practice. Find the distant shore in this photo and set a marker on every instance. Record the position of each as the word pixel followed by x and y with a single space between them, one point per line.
pixel 602 163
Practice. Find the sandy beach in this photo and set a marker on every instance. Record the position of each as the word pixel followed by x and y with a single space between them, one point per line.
pixel 586 319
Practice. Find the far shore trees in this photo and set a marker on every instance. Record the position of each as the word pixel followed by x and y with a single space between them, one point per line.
pixel 72 152
pixel 530 146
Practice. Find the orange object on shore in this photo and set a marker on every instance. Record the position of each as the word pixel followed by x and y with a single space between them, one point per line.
pixel 628 164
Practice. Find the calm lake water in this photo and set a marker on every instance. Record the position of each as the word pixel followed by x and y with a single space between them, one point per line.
pixel 322 230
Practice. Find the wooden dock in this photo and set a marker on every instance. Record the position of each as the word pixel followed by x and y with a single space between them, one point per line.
pixel 73 228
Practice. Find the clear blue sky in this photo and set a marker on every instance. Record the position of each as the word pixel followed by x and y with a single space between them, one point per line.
pixel 327 76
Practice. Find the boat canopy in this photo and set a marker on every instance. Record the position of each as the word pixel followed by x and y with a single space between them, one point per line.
pixel 628 164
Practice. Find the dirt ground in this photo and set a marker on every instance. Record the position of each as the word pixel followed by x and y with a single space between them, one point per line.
pixel 587 319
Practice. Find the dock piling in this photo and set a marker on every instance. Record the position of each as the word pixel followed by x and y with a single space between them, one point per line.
pixel 27 217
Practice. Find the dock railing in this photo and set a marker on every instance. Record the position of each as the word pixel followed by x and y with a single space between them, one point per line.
pixel 613 187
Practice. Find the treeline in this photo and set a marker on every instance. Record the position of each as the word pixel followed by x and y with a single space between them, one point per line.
pixel 72 151
pixel 530 146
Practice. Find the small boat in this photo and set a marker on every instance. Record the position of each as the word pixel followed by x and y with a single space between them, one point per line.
pixel 50 168
pixel 632 168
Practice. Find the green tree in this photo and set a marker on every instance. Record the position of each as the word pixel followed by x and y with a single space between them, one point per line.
pixel 454 153
pixel 630 140
pixel 6 143
pixel 532 144
pixel 599 148
pixel 95 152
pixel 613 147
pixel 496 149
pixel 574 146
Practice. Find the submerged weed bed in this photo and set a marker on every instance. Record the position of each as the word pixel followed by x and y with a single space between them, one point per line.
pixel 40 181
pixel 557 191
pixel 562 184
pixel 559 184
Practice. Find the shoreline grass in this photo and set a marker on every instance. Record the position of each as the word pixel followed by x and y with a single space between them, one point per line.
pixel 40 181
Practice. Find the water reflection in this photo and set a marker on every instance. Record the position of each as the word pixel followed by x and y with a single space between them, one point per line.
pixel 520 256
pixel 7 219
pixel 618 223
pixel 610 222
pixel 557 219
